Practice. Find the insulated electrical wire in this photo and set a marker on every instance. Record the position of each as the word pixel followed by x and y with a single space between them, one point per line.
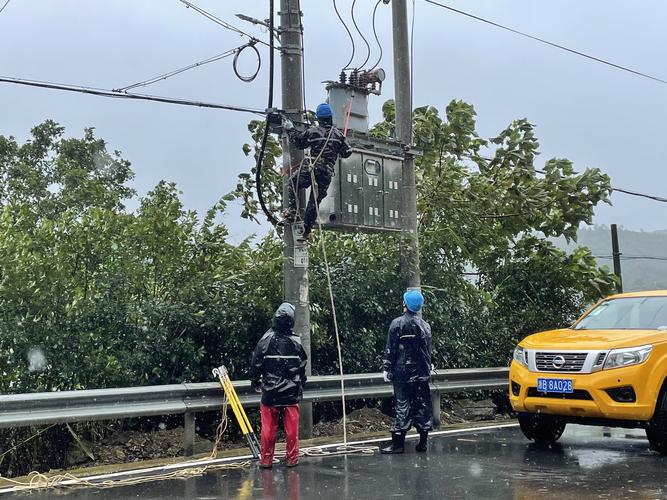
pixel 641 195
pixel 250 45
pixel 546 42
pixel 175 72
pixel 631 257
pixel 222 23
pixel 377 40
pixel 624 191
pixel 122 95
pixel 349 33
pixel 356 26
pixel 4 6
pixel 265 137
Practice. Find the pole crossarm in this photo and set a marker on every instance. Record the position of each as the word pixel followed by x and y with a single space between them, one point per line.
pixel 43 408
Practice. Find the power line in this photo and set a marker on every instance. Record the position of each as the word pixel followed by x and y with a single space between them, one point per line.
pixel 122 95
pixel 349 33
pixel 221 22
pixel 175 72
pixel 546 42
pixel 632 257
pixel 642 195
pixel 368 46
pixel 4 6
pixel 619 190
pixel 375 34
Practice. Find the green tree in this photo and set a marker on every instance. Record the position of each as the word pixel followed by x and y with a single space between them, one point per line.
pixel 484 207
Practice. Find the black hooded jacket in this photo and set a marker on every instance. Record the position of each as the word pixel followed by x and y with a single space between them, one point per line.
pixel 408 354
pixel 315 138
pixel 279 362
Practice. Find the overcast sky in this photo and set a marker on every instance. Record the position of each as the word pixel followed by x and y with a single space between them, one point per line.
pixel 593 114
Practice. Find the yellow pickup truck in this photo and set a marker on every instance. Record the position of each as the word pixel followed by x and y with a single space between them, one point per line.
pixel 608 368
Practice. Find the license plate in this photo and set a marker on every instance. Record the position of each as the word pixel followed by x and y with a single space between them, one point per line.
pixel 558 385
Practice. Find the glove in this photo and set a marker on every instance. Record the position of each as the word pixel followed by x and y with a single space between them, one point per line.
pixel 432 369
pixel 287 124
pixel 386 376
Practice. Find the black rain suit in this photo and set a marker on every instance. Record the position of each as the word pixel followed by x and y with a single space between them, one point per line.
pixel 279 362
pixel 330 142
pixel 408 361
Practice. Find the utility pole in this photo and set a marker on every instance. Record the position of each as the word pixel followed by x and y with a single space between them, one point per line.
pixel 403 96
pixel 616 256
pixel 295 270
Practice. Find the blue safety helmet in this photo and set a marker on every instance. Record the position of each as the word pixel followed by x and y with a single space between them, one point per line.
pixel 413 300
pixel 323 111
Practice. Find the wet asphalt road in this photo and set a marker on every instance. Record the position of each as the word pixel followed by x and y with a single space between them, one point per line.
pixel 477 465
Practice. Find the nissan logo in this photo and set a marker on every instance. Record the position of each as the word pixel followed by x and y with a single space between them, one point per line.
pixel 558 362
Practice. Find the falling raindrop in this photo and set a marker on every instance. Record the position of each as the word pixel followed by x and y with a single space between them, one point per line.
pixel 36 360
pixel 475 470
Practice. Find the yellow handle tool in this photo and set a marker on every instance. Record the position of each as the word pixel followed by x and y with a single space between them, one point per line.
pixel 232 391
pixel 240 414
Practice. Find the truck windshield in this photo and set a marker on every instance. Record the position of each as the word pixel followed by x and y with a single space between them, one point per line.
pixel 631 313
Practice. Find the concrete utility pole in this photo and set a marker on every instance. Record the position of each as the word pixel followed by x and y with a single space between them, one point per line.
pixel 402 89
pixel 616 256
pixel 295 271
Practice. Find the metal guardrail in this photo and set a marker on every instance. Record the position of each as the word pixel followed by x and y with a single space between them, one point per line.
pixel 21 410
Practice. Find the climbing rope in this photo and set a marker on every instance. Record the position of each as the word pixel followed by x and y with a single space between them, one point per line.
pixel 345 449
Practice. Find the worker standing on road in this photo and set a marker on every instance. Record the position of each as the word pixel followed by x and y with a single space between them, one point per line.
pixel 278 371
pixel 407 363
pixel 326 144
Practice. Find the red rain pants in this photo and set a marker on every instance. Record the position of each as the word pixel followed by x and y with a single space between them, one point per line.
pixel 270 416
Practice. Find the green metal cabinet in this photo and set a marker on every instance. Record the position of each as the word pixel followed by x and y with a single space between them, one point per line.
pixel 365 193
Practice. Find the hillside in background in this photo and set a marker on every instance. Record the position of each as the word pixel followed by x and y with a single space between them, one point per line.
pixel 638 273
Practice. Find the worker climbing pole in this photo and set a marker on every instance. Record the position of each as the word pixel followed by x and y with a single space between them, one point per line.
pixel 326 143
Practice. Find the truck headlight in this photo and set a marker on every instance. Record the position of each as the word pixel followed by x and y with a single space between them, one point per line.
pixel 618 358
pixel 520 356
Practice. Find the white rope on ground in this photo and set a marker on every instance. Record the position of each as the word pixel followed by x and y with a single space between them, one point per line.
pixel 38 480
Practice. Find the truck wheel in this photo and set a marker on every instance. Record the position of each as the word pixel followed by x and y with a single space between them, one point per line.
pixel 656 431
pixel 544 429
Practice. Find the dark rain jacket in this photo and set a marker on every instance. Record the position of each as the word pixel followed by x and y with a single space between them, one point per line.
pixel 407 357
pixel 279 362
pixel 315 138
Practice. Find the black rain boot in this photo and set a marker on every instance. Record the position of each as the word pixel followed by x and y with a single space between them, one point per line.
pixel 421 446
pixel 397 444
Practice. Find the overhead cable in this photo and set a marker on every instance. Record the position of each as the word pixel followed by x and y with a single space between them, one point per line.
pixel 356 26
pixel 221 22
pixel 265 136
pixel 252 76
pixel 175 72
pixel 349 33
pixel 377 40
pixel 631 257
pixel 642 195
pixel 4 6
pixel 546 42
pixel 624 191
pixel 122 95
